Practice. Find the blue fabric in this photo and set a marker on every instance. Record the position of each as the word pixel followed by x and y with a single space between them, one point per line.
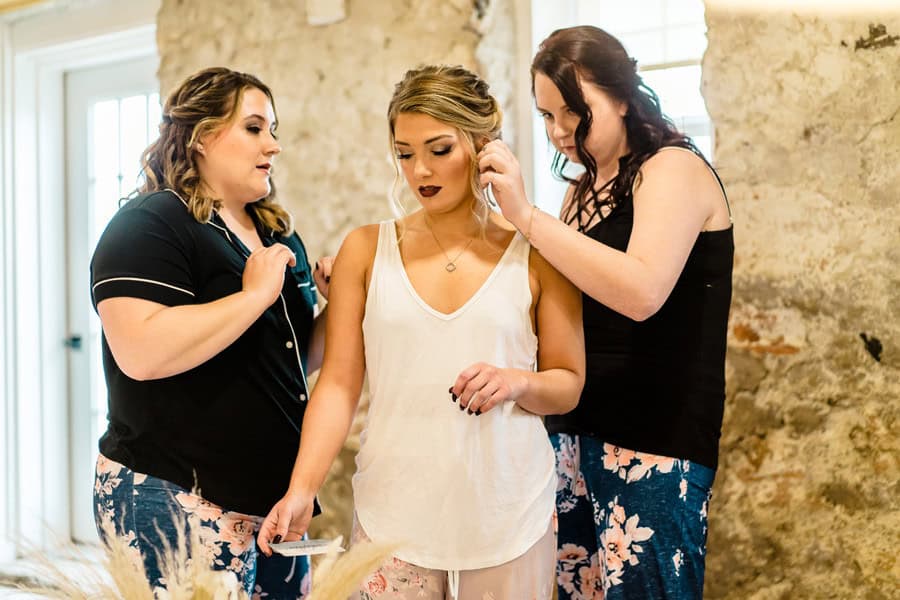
pixel 144 510
pixel 631 524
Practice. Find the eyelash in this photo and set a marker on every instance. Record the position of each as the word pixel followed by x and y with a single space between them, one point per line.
pixel 441 152
pixel 257 130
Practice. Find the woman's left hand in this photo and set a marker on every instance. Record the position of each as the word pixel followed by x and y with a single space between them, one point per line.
pixel 322 275
pixel 499 167
pixel 481 387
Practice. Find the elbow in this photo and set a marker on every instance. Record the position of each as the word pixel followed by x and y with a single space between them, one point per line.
pixel 568 401
pixel 138 371
pixel 137 367
pixel 645 306
pixel 569 405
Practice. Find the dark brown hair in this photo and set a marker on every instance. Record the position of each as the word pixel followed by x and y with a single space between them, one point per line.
pixel 591 54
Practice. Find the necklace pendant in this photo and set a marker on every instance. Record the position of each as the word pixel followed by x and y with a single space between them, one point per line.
pixel 450 267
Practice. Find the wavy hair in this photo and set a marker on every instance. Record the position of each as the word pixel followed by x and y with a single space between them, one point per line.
pixel 454 96
pixel 204 103
pixel 588 53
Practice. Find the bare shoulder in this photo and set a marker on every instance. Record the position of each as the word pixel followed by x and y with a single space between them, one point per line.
pixel 361 239
pixel 673 166
pixel 358 248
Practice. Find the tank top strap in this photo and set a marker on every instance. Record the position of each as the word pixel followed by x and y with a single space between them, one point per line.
pixel 386 252
pixel 387 240
pixel 522 250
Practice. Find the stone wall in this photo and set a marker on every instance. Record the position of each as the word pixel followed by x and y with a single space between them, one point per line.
pixel 807 119
pixel 332 85
pixel 808 143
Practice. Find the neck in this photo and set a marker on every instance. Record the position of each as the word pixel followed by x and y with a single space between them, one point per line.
pixel 235 215
pixel 233 212
pixel 457 222
pixel 608 168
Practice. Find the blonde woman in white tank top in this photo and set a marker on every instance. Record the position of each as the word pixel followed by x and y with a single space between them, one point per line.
pixel 468 336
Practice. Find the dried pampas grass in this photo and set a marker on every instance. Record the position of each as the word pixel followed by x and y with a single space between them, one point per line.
pixel 337 578
pixel 121 574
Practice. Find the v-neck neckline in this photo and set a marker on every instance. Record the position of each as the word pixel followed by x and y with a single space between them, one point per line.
pixel 465 305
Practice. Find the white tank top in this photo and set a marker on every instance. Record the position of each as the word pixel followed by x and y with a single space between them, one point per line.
pixel 458 491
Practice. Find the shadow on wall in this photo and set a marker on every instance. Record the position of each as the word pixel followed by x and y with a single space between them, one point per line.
pixel 807 121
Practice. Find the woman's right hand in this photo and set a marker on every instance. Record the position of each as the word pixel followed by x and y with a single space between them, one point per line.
pixel 264 272
pixel 499 167
pixel 286 522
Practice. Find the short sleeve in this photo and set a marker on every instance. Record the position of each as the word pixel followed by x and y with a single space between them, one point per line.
pixel 140 255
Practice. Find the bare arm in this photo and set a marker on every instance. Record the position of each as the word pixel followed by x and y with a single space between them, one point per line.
pixel 556 386
pixel 677 196
pixel 336 395
pixel 151 341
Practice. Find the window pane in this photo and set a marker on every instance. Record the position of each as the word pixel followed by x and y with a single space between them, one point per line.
pixel 682 12
pixel 133 136
pixel 104 164
pixel 678 90
pixel 647 47
pixel 154 116
pixel 685 42
pixel 704 144
pixel 617 17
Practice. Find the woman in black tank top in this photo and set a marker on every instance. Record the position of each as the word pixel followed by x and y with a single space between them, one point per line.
pixel 645 233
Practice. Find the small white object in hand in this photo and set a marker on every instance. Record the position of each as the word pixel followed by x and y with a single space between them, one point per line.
pixel 308 547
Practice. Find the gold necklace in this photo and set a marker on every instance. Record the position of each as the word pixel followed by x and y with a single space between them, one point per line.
pixel 451 262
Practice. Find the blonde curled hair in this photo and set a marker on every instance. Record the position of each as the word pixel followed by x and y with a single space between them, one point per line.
pixel 204 103
pixel 454 96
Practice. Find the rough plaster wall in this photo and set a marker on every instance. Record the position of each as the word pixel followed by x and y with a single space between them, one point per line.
pixel 332 85
pixel 807 118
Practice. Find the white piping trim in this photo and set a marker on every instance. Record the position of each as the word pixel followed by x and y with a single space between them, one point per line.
pixel 296 345
pixel 177 195
pixel 283 302
pixel 94 287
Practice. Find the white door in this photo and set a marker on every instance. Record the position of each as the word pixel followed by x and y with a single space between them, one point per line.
pixel 112 114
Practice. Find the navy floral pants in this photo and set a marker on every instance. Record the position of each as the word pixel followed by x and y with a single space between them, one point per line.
pixel 143 510
pixel 631 524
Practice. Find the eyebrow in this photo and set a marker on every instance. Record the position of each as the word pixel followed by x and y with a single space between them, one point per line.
pixel 256 116
pixel 540 109
pixel 428 141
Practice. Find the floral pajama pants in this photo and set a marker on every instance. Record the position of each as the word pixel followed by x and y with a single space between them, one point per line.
pixel 631 524
pixel 143 510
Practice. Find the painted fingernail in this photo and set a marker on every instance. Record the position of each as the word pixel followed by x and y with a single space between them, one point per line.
pixel 461 407
pixel 276 539
pixel 478 413
pixel 328 279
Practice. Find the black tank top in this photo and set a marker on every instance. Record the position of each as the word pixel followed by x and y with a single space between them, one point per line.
pixel 658 386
